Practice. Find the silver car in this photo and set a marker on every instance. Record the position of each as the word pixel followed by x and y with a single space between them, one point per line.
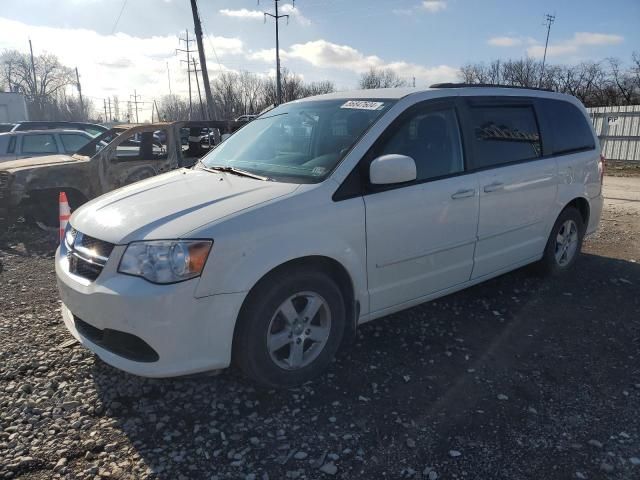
pixel 16 145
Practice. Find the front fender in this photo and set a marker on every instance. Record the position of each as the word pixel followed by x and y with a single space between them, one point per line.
pixel 250 245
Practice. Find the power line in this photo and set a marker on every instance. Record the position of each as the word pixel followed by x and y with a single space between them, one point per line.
pixel 188 51
pixel 124 4
pixel 277 18
pixel 136 102
pixel 549 19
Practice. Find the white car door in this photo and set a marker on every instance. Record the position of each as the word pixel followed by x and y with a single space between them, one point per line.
pixel 421 235
pixel 518 187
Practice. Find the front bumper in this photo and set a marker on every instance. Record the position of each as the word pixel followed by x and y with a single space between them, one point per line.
pixel 188 334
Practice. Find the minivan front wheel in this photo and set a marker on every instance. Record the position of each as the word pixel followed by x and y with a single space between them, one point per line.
pixel 290 328
pixel 564 243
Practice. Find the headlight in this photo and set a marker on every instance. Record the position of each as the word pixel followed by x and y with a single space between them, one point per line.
pixel 165 261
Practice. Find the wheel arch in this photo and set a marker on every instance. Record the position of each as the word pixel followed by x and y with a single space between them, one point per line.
pixel 582 205
pixel 328 265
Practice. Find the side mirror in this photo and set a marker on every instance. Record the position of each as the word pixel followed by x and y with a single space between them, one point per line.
pixel 393 168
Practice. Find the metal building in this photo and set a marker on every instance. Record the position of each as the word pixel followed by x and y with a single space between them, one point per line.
pixel 619 131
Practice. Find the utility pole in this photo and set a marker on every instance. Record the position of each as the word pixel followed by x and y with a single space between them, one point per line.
pixel 105 109
pixel 33 69
pixel 169 77
pixel 136 102
pixel 277 18
pixel 188 51
pixel 195 70
pixel 197 27
pixel 109 101
pixel 549 19
pixel 35 80
pixel 157 110
pixel 414 82
pixel 80 93
pixel 116 108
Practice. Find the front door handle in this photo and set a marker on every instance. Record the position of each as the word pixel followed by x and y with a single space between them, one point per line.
pixel 464 194
pixel 493 187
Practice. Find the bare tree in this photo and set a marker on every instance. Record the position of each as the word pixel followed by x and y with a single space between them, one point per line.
pixel 381 78
pixel 173 108
pixel 41 89
pixel 594 83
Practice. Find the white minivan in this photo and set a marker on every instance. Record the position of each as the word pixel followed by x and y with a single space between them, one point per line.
pixel 323 214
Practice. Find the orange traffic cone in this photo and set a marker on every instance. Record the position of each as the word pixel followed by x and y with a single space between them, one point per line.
pixel 65 213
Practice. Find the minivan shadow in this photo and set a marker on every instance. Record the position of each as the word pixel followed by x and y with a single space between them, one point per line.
pixel 423 370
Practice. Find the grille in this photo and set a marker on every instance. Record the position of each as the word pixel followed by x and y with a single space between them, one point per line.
pixel 87 255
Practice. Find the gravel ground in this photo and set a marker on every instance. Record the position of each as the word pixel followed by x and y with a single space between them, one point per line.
pixel 520 377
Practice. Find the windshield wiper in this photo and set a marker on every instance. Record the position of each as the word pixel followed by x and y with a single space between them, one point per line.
pixel 234 170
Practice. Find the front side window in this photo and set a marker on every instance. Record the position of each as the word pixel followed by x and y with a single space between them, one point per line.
pixel 432 139
pixel 73 142
pixel 143 146
pixel 300 142
pixel 504 135
pixel 569 125
pixel 98 143
pixel 39 144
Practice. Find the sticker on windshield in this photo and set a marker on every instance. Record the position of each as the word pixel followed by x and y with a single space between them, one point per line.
pixel 363 105
pixel 317 171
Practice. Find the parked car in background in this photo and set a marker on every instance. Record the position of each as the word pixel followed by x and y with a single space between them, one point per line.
pixel 323 214
pixel 246 118
pixel 91 128
pixel 118 157
pixel 36 143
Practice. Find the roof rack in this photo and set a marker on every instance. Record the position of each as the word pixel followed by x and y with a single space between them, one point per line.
pixel 484 85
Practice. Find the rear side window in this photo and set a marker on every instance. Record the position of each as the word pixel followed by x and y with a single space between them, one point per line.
pixel 571 131
pixel 39 144
pixel 73 142
pixel 504 135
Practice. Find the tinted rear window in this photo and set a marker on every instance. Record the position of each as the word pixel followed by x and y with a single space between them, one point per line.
pixel 571 131
pixel 504 134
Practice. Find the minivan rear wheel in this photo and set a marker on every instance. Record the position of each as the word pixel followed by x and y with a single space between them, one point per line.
pixel 290 328
pixel 564 243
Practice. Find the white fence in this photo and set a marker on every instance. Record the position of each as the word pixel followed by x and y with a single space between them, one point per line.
pixel 619 131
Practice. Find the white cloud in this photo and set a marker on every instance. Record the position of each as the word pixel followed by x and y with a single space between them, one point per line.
pixel 575 44
pixel 430 6
pixel 115 64
pixel 324 54
pixel 434 6
pixel 505 41
pixel 243 13
pixel 286 9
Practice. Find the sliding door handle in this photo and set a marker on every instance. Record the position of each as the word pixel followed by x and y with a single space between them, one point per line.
pixel 464 194
pixel 493 187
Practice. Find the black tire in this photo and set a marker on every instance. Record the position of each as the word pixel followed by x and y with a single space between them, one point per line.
pixel 549 264
pixel 250 351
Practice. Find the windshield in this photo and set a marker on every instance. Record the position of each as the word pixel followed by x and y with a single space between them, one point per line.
pixel 98 143
pixel 299 142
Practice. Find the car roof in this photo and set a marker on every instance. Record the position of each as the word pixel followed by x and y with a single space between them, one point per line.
pixel 455 89
pixel 46 130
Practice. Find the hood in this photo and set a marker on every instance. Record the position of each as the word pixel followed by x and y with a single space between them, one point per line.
pixel 35 162
pixel 171 205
